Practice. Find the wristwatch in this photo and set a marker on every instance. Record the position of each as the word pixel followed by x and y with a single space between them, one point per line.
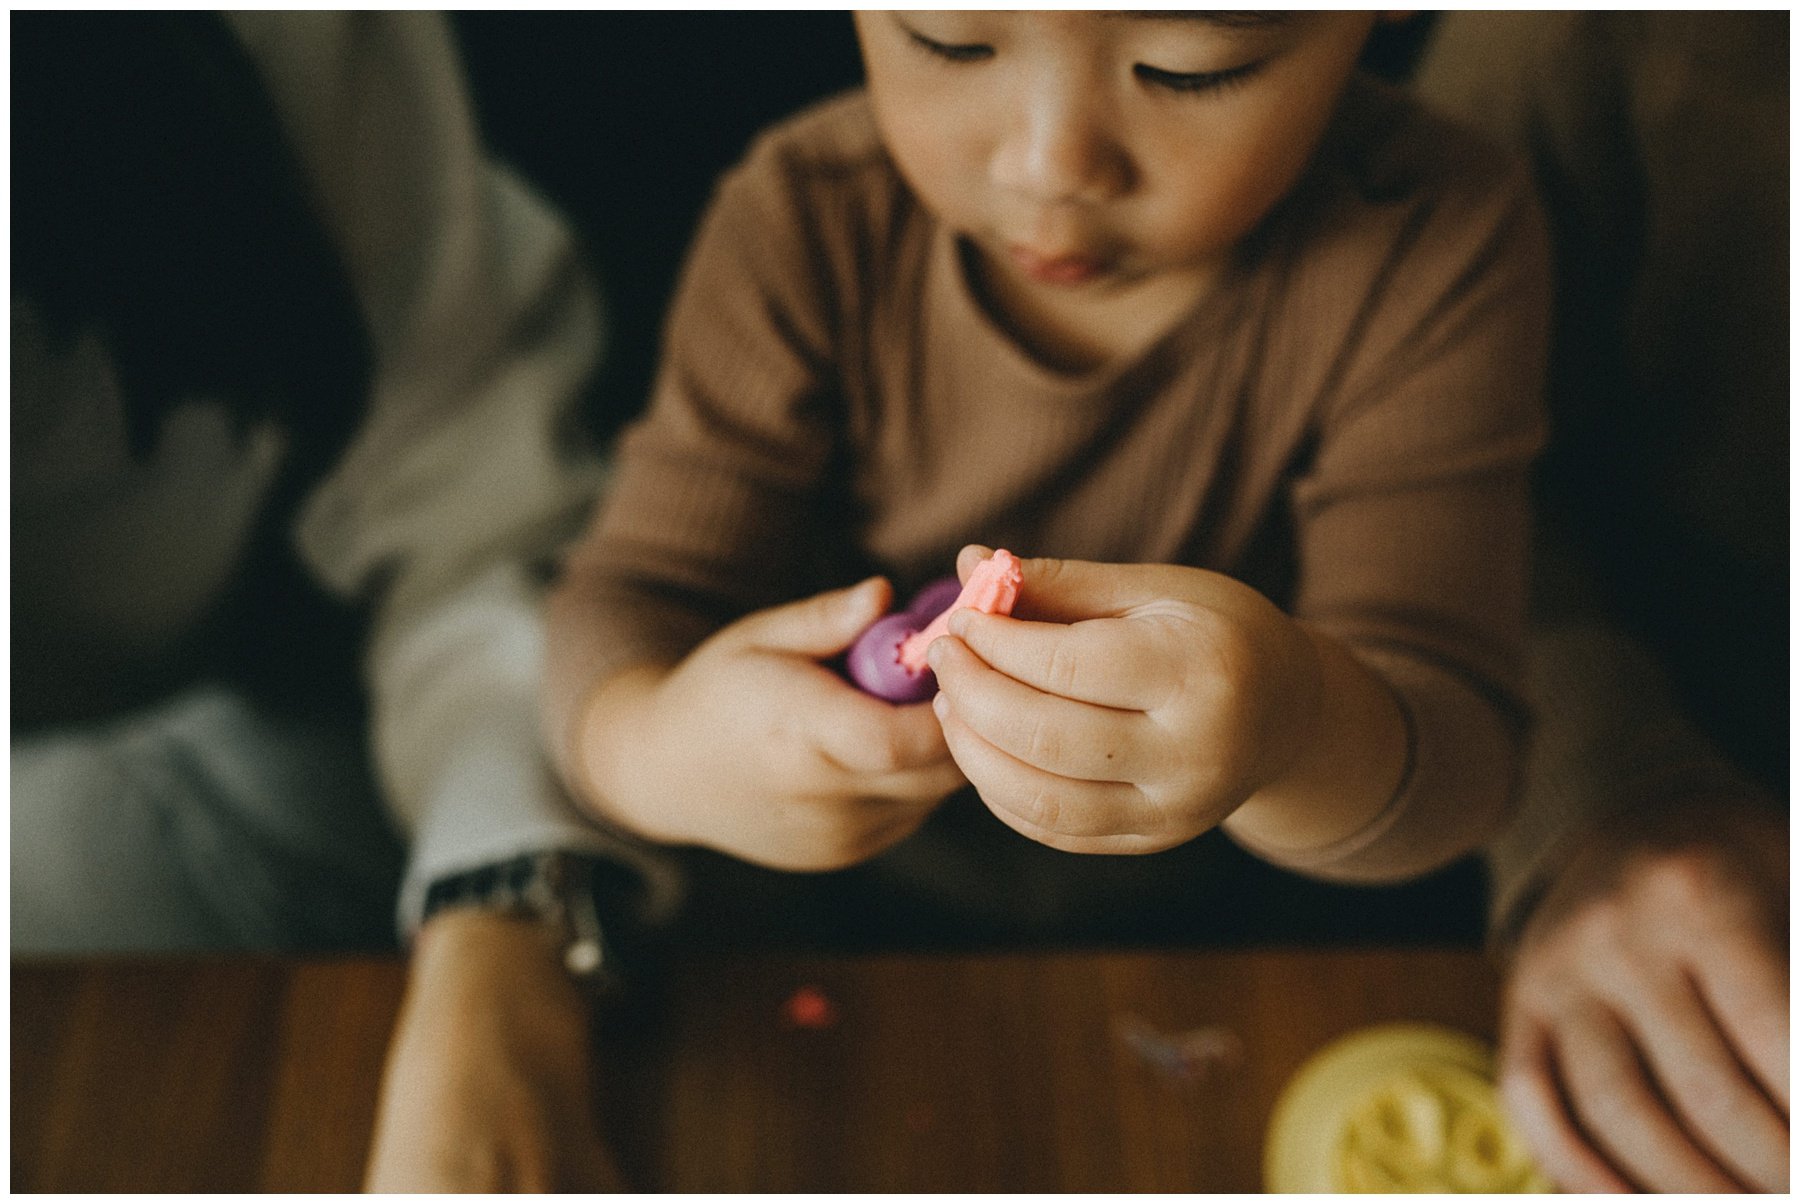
pixel 564 891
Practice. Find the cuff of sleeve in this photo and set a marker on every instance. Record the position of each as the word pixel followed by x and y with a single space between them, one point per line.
pixel 1520 873
pixel 1451 792
pixel 1609 739
pixel 1322 860
pixel 491 804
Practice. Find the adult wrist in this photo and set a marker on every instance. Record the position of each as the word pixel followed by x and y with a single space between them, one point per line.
pixel 467 962
pixel 460 935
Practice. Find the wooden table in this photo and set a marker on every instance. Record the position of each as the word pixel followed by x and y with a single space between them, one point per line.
pixel 938 1073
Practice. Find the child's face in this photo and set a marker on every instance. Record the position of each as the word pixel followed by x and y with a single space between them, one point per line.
pixel 1089 152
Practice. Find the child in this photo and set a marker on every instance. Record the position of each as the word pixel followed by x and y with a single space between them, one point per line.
pixel 1246 347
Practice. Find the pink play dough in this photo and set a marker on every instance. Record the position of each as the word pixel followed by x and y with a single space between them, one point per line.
pixel 992 588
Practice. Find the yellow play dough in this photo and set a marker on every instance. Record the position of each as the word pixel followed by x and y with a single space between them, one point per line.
pixel 1399 1108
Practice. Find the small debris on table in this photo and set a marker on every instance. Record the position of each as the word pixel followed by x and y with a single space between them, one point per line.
pixel 809 1007
pixel 1185 1058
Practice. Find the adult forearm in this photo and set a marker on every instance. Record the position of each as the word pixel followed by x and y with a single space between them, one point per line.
pixel 489 1083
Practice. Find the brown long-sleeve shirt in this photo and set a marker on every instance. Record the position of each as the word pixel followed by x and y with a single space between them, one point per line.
pixel 1346 423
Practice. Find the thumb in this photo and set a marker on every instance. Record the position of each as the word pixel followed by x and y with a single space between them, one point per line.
pixel 971 555
pixel 819 626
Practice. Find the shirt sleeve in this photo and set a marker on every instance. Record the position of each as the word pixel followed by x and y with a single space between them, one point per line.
pixel 716 491
pixel 1412 515
pixel 462 477
pixel 1610 738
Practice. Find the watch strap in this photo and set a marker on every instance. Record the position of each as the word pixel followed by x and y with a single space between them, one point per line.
pixel 557 888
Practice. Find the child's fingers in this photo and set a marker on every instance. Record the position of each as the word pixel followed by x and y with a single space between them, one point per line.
pixel 831 832
pixel 1106 662
pixel 1068 738
pixel 918 790
pixel 819 626
pixel 864 736
pixel 1077 817
pixel 1065 591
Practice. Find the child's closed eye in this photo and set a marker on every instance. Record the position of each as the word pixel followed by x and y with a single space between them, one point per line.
pixel 966 52
pixel 1192 82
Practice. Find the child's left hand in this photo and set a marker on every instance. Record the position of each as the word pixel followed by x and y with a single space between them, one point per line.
pixel 1132 708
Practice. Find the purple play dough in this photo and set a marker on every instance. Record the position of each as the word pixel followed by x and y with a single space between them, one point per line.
pixel 933 600
pixel 874 660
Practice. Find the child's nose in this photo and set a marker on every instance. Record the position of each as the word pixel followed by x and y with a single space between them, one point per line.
pixel 1062 152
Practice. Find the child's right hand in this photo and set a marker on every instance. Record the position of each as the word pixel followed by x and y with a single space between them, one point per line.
pixel 752 747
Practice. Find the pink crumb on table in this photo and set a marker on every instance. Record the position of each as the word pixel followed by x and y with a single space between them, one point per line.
pixel 808 1007
pixel 993 588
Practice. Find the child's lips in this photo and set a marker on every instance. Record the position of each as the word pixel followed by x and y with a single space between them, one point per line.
pixel 1056 269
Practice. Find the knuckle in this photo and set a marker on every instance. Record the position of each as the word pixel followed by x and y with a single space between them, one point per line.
pixel 1062 673
pixel 867 744
pixel 884 750
pixel 1597 928
pixel 1044 744
pixel 1683 878
pixel 1045 574
pixel 1041 807
pixel 1227 658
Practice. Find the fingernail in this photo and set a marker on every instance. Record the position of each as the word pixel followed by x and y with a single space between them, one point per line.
pixel 934 652
pixel 959 622
pixel 941 705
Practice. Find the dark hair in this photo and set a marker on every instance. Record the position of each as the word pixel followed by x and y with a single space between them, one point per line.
pixel 155 200
pixel 158 205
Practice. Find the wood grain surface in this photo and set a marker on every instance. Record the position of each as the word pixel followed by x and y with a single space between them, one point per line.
pixel 936 1073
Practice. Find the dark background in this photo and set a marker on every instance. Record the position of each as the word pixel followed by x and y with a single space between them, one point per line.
pixel 626 119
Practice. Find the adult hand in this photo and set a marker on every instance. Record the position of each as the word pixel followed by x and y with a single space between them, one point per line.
pixel 753 747
pixel 1644 1042
pixel 1129 708
pixel 489 1080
